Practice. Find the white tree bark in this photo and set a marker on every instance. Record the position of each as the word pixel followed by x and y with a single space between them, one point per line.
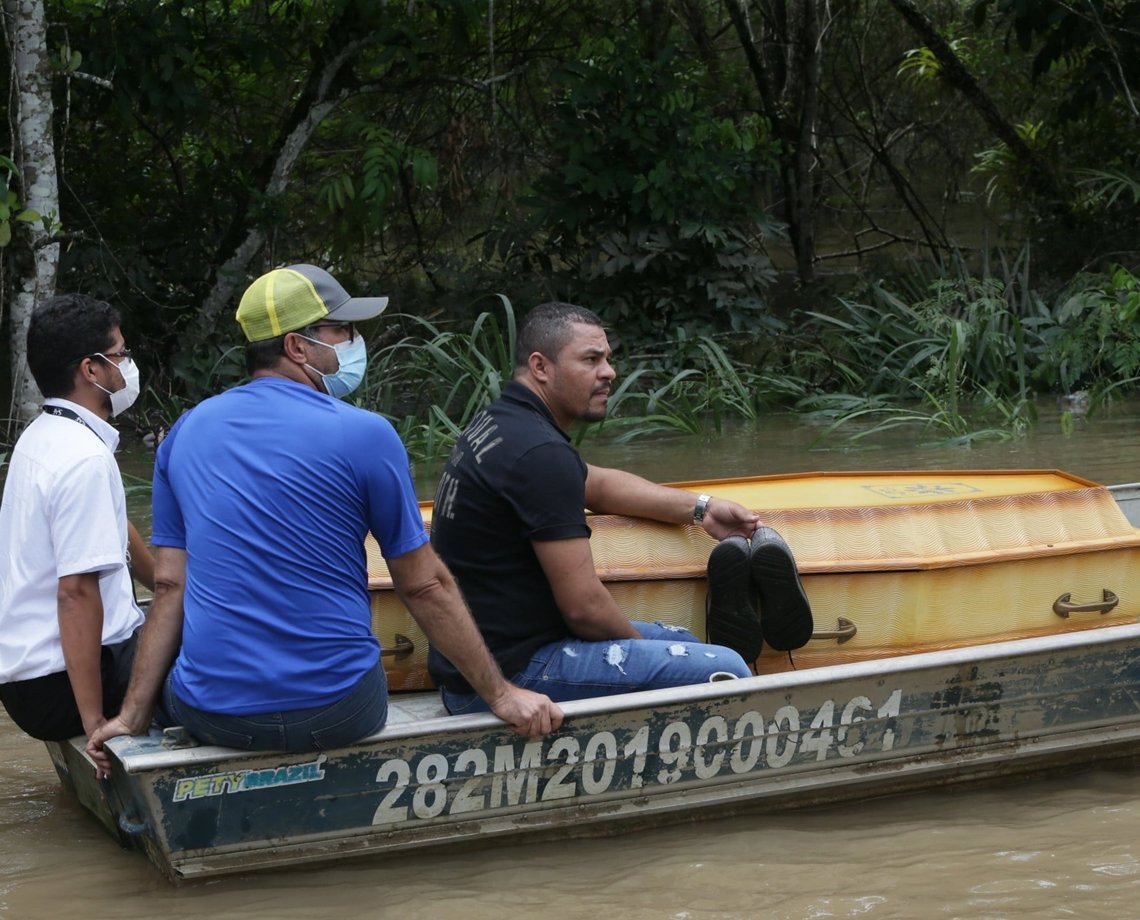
pixel 34 278
pixel 234 273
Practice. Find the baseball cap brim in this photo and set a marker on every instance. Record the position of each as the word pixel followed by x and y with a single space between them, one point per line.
pixel 356 309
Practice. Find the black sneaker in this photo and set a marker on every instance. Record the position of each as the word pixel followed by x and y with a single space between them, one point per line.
pixel 784 608
pixel 731 619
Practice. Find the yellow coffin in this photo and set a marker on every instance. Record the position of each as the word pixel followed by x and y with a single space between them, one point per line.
pixel 893 563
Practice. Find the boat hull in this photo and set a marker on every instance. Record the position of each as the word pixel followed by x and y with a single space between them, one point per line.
pixel 827 734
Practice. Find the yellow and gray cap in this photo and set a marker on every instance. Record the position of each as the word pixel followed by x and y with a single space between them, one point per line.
pixel 290 298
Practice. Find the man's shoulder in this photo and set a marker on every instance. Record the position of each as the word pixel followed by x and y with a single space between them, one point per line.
pixel 505 437
pixel 55 443
pixel 523 416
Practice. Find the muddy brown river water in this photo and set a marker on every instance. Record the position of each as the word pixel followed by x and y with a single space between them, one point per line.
pixel 1046 849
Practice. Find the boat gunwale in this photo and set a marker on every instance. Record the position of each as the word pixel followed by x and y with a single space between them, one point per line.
pixel 1113 634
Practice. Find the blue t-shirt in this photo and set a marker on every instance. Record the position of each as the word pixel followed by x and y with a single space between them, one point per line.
pixel 270 488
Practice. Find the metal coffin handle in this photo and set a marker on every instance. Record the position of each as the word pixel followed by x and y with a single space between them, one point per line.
pixel 401 650
pixel 1064 605
pixel 844 630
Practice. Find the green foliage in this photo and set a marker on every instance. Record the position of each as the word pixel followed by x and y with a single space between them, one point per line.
pixel 998 164
pixel 1097 41
pixel 1067 75
pixel 693 389
pixel 358 194
pixel 619 161
pixel 867 419
pixel 1093 341
pixel 214 364
pixel 921 66
pixel 442 373
pixel 1107 187
pixel 432 381
pixel 971 351
pixel 11 211
pixel 651 215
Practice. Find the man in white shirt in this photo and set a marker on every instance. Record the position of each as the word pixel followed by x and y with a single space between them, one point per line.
pixel 68 615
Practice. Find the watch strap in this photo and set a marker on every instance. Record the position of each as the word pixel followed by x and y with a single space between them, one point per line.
pixel 701 507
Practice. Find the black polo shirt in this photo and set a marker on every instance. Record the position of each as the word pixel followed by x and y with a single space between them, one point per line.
pixel 513 477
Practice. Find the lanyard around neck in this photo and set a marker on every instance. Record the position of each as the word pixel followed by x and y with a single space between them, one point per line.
pixel 64 412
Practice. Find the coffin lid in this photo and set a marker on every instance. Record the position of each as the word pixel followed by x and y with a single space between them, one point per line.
pixel 873 521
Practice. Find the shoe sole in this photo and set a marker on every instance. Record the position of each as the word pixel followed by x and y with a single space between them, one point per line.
pixel 784 609
pixel 731 617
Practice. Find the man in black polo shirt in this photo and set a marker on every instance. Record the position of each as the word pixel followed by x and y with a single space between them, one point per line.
pixel 509 521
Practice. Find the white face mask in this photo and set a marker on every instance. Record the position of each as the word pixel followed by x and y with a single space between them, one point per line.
pixel 122 400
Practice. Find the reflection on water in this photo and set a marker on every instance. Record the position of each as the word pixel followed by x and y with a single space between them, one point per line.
pixel 1045 849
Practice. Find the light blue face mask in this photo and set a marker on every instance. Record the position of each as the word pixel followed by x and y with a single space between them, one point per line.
pixel 353 358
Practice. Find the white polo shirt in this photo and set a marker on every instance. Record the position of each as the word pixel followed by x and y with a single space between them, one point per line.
pixel 64 512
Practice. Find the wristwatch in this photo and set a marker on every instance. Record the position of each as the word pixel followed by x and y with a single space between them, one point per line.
pixel 701 507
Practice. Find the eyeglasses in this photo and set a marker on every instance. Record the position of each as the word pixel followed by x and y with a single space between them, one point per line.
pixel 349 326
pixel 125 353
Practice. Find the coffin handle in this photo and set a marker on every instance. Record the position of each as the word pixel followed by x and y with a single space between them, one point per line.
pixel 844 630
pixel 1064 605
pixel 402 649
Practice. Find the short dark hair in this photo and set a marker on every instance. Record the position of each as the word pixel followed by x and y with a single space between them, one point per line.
pixel 264 355
pixel 63 331
pixel 546 329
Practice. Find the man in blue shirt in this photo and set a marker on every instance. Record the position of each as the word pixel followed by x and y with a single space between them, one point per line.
pixel 263 496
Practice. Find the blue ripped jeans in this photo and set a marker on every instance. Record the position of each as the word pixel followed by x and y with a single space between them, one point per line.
pixel 574 669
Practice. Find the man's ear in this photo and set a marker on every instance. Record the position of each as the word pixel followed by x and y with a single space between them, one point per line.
pixel 539 366
pixel 295 347
pixel 85 372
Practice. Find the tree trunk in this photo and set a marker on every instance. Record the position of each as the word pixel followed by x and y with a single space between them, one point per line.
pixel 235 271
pixel 322 93
pixel 1037 170
pixel 790 104
pixel 803 81
pixel 34 257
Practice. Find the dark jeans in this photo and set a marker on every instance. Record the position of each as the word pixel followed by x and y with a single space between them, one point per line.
pixel 359 713
pixel 45 708
pixel 574 669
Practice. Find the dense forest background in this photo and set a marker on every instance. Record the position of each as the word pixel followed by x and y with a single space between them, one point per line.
pixel 874 208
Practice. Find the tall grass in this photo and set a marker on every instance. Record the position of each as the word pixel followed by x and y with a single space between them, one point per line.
pixel 967 354
pixel 434 379
pixel 953 355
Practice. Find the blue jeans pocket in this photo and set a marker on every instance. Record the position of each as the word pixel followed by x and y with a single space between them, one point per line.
pixel 361 712
pixel 209 729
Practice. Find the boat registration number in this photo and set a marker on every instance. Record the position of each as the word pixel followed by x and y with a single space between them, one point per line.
pixel 435 784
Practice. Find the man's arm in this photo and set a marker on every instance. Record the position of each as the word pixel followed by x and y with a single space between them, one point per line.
pixel 79 608
pixel 159 642
pixel 610 491
pixel 586 605
pixel 142 562
pixel 431 595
